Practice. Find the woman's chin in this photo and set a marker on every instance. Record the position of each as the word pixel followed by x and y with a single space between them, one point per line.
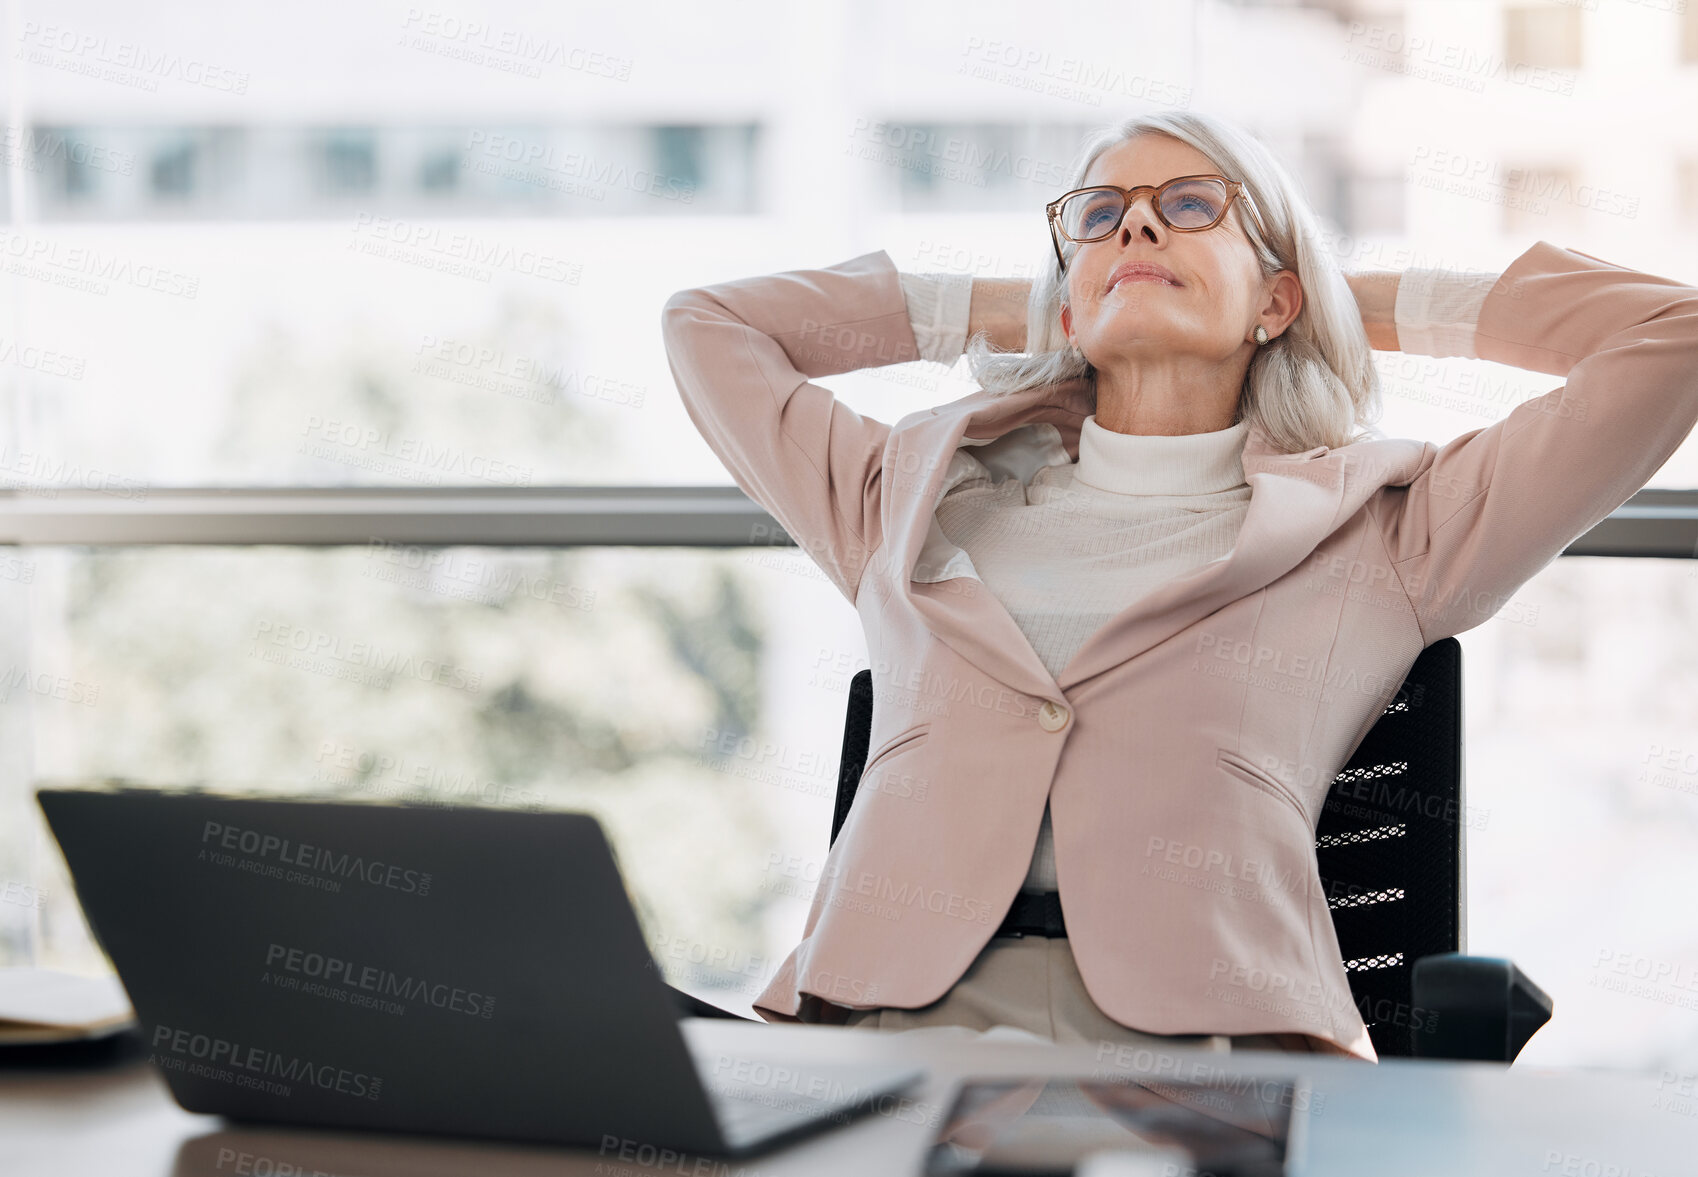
pixel 1133 333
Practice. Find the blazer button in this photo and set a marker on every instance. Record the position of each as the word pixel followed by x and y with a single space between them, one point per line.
pixel 1052 717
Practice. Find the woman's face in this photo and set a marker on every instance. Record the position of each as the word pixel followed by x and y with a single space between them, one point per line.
pixel 1210 313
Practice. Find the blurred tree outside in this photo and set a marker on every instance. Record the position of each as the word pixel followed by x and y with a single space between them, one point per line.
pixel 581 679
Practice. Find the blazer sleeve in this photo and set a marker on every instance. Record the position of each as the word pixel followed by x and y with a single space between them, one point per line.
pixel 744 354
pixel 1493 507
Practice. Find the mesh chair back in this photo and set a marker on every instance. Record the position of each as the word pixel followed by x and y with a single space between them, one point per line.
pixel 1388 844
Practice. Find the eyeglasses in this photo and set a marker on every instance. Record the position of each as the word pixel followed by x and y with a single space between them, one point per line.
pixel 1185 204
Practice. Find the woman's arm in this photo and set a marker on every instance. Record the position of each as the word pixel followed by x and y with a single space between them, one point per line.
pixel 1376 298
pixel 1429 312
pixel 999 309
pixel 948 309
pixel 1489 509
pixel 744 355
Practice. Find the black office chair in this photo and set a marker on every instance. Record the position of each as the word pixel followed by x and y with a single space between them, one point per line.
pixel 1389 845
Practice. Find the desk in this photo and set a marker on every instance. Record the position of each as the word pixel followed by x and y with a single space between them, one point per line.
pixel 1411 1117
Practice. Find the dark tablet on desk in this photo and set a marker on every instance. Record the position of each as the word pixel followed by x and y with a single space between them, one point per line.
pixel 1233 1126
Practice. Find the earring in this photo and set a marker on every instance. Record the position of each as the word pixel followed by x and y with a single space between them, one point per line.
pixel 1261 333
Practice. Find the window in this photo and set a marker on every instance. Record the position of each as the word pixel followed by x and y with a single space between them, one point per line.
pixel 661 689
pixel 678 154
pixel 440 171
pixel 77 175
pixel 302 173
pixel 173 170
pixel 1547 37
pixel 1538 200
pixel 1378 39
pixel 347 163
pixel 967 166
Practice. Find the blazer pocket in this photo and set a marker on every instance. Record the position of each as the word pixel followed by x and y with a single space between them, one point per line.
pixel 910 738
pixel 1244 770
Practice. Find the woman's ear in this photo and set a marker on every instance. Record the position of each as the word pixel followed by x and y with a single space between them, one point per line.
pixel 1067 321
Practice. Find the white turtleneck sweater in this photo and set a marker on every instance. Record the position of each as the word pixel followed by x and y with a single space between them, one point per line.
pixel 1082 540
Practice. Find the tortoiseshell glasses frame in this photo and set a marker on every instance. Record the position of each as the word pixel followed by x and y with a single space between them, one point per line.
pixel 1232 189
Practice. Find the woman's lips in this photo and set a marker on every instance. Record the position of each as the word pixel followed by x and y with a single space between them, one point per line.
pixel 1140 272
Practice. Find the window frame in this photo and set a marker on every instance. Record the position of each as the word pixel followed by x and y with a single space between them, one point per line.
pixel 1658 523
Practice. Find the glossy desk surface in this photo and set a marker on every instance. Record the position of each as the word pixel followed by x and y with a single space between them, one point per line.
pixel 1397 1117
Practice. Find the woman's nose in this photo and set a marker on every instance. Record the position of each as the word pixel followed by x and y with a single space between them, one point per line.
pixel 1140 218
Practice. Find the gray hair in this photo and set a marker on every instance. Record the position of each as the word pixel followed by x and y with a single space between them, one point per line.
pixel 1312 385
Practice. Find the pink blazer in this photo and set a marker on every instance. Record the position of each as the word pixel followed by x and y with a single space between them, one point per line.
pixel 1187 748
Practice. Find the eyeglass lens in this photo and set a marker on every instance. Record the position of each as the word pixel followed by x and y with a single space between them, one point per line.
pixel 1096 212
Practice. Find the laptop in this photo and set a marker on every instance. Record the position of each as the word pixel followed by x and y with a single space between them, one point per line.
pixel 467 971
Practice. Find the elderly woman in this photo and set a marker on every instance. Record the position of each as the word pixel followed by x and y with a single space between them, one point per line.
pixel 1168 465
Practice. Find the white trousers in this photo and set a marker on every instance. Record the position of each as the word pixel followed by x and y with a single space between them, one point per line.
pixel 1032 983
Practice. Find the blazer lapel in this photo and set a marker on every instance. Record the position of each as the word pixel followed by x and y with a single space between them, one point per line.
pixel 1295 501
pixel 972 623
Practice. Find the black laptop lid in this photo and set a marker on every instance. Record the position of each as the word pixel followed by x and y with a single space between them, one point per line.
pixel 427 969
